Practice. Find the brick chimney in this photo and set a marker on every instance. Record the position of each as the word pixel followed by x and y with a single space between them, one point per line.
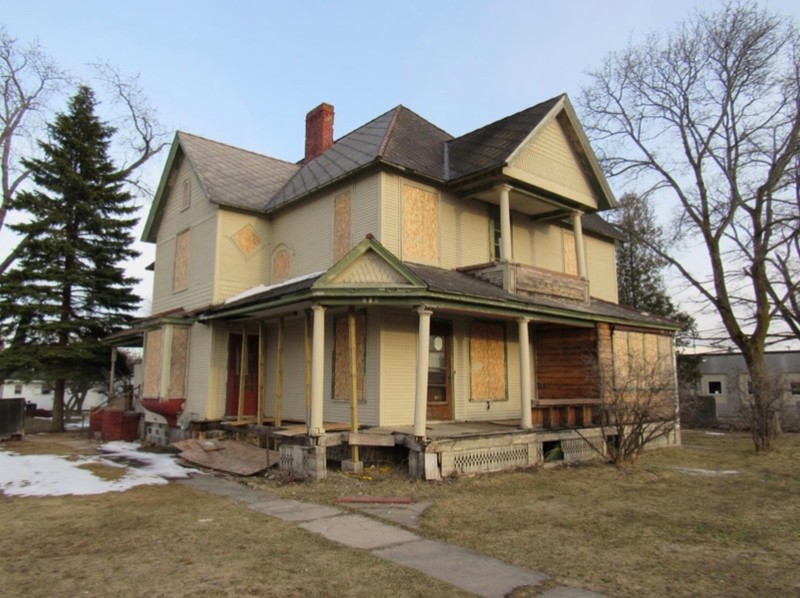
pixel 319 131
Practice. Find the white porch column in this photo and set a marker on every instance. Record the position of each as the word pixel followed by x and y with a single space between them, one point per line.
pixel 506 252
pixel 317 371
pixel 580 251
pixel 421 396
pixel 525 374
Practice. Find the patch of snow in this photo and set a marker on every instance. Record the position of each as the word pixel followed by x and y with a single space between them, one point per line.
pixel 263 288
pixel 57 475
pixel 715 433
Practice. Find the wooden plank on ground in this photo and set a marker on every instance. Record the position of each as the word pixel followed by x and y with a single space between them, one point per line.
pixel 231 456
pixel 380 500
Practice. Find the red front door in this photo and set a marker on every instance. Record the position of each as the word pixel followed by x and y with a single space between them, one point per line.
pixel 250 398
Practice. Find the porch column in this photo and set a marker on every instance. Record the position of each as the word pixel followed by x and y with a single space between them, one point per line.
pixel 421 396
pixel 525 373
pixel 506 252
pixel 317 371
pixel 580 252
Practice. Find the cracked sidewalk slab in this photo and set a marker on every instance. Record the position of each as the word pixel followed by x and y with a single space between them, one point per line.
pixel 357 531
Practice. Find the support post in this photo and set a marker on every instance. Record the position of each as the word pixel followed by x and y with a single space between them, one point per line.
pixel 525 374
pixel 580 249
pixel 279 376
pixel 262 372
pixel 421 395
pixel 242 376
pixel 506 251
pixel 315 426
pixel 351 322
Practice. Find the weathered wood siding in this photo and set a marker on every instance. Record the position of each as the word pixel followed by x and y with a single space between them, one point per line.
pixel 200 219
pixel 243 253
pixel 566 363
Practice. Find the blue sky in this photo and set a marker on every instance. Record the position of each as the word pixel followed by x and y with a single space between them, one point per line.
pixel 247 73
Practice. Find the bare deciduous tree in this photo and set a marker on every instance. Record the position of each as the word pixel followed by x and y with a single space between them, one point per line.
pixel 27 78
pixel 710 116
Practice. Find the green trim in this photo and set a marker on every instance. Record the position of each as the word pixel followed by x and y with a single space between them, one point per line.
pixel 159 200
pixel 367 245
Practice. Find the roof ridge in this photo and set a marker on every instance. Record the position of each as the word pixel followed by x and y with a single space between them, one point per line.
pixel 389 130
pixel 418 115
pixel 241 149
pixel 554 99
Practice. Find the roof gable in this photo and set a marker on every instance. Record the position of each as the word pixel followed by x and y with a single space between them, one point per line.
pixel 369 264
pixel 229 176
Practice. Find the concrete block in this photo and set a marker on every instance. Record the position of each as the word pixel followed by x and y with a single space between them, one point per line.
pixel 356 467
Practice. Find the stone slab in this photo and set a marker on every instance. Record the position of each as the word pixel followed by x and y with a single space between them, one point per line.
pixel 356 531
pixel 406 515
pixel 472 572
pixel 293 510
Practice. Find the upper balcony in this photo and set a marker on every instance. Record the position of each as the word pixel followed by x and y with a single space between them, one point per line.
pixel 533 282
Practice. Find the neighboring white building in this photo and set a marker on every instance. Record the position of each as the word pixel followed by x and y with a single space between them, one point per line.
pixel 41 394
pixel 724 377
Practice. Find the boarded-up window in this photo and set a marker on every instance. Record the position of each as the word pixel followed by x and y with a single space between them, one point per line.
pixel 186 200
pixel 281 265
pixel 487 352
pixel 342 224
pixel 247 239
pixel 180 278
pixel 642 361
pixel 152 364
pixel 570 254
pixel 177 362
pixel 420 226
pixel 342 377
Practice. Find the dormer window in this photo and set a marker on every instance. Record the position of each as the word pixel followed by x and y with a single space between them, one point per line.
pixel 187 195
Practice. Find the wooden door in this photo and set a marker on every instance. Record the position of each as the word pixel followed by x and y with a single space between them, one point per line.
pixel 234 375
pixel 440 403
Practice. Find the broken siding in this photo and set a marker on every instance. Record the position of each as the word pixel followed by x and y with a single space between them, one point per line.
pixel 243 253
pixel 601 263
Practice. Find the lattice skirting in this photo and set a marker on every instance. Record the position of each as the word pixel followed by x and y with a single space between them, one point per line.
pixel 491 459
pixel 579 449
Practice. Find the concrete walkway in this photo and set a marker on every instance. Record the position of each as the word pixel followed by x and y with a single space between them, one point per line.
pixel 469 571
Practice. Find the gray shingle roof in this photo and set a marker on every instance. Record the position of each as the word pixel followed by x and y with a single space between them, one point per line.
pixel 596 224
pixel 490 146
pixel 398 136
pixel 234 177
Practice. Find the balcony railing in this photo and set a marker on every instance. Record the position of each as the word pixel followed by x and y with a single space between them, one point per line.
pixel 533 282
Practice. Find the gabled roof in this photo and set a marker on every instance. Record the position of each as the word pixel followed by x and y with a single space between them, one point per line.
pixel 399 136
pixel 229 176
pixel 492 145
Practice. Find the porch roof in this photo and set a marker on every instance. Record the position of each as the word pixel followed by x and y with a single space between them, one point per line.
pixel 443 289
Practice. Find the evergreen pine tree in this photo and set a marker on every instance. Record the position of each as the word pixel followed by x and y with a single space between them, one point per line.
pixel 68 289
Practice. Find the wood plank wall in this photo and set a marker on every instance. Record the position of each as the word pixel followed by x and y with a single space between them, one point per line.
pixel 566 363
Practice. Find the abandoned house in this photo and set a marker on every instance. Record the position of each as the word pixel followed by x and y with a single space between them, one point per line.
pixel 398 289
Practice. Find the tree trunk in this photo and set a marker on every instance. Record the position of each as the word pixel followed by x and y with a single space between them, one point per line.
pixel 763 414
pixel 57 423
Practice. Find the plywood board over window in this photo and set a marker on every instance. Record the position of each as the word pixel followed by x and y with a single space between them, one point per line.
pixel 420 240
pixel 152 364
pixel 487 349
pixel 281 265
pixel 180 279
pixel 177 363
pixel 342 224
pixel 570 253
pixel 342 378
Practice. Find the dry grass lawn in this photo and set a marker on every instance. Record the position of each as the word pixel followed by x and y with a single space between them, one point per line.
pixel 659 528
pixel 678 523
